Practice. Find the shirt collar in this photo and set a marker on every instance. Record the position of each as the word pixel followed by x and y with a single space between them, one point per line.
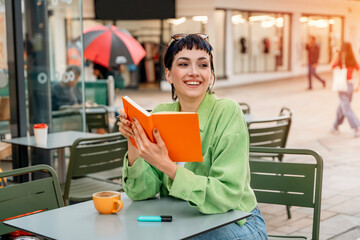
pixel 205 109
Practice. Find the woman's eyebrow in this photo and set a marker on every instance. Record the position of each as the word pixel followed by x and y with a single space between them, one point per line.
pixel 188 59
pixel 183 58
pixel 203 58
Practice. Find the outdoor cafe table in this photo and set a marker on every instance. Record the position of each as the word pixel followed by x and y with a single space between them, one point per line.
pixel 57 140
pixel 82 221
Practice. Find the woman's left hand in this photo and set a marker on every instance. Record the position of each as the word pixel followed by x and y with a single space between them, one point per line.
pixel 155 154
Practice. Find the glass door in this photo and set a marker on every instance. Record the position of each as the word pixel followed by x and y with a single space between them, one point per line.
pixel 37 43
pixel 53 63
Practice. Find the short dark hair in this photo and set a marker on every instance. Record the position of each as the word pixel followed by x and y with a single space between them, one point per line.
pixel 74 69
pixel 190 41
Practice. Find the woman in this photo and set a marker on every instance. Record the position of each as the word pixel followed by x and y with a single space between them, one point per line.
pixel 346 57
pixel 222 181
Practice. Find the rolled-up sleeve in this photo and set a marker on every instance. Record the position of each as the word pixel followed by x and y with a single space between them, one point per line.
pixel 140 181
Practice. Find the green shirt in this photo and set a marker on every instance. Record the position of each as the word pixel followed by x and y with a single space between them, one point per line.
pixel 218 184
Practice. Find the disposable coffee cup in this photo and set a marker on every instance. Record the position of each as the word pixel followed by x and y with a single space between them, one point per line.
pixel 40 132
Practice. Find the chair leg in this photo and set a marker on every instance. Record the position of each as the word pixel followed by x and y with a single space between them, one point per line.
pixel 288 211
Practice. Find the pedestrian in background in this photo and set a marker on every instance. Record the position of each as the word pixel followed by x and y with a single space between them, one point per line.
pixel 100 71
pixel 345 57
pixel 66 92
pixel 313 52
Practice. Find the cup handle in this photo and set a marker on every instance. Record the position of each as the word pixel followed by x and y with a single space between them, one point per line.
pixel 119 207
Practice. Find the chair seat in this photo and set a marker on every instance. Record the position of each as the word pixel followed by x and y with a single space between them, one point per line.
pixel 273 237
pixel 83 188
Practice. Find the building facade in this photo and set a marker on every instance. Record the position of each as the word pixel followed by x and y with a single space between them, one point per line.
pixel 254 40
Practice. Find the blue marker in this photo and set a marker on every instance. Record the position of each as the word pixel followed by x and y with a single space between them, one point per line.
pixel 155 218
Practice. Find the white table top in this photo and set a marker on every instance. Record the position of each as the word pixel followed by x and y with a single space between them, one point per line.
pixel 54 140
pixel 82 221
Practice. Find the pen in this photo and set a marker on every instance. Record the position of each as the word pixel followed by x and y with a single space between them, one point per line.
pixel 155 218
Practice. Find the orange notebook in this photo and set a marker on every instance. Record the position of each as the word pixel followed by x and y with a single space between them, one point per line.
pixel 179 130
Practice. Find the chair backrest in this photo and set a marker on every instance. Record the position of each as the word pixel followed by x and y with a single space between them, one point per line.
pixel 245 107
pixel 269 132
pixel 285 111
pixel 95 154
pixel 289 183
pixel 97 117
pixel 22 198
pixel 66 120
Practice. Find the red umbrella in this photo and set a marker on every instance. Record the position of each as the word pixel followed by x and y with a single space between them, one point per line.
pixel 110 46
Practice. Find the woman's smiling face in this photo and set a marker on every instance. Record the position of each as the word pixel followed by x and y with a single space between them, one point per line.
pixel 190 74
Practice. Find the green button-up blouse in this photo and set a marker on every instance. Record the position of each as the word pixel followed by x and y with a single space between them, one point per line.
pixel 218 184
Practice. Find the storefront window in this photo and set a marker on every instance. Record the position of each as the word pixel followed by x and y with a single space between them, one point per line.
pixel 219 51
pixel 328 32
pixel 195 24
pixel 261 41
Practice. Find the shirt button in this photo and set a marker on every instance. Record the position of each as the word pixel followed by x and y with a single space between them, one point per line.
pixel 183 194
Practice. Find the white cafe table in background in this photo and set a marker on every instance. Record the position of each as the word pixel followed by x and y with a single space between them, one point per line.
pixel 57 140
pixel 82 221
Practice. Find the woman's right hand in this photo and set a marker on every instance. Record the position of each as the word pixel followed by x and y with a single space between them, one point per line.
pixel 125 125
pixel 126 131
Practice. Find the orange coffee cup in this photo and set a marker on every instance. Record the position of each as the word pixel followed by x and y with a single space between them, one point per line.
pixel 107 202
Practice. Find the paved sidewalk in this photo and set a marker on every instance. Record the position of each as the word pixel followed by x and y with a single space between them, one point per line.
pixel 314 113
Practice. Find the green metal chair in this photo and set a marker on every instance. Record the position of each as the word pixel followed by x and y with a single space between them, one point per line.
pixel 89 156
pixel 22 198
pixel 97 117
pixel 245 107
pixel 289 183
pixel 285 111
pixel 113 174
pixel 272 132
pixel 68 119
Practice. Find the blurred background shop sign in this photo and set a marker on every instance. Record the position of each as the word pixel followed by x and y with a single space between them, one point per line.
pixel 134 9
